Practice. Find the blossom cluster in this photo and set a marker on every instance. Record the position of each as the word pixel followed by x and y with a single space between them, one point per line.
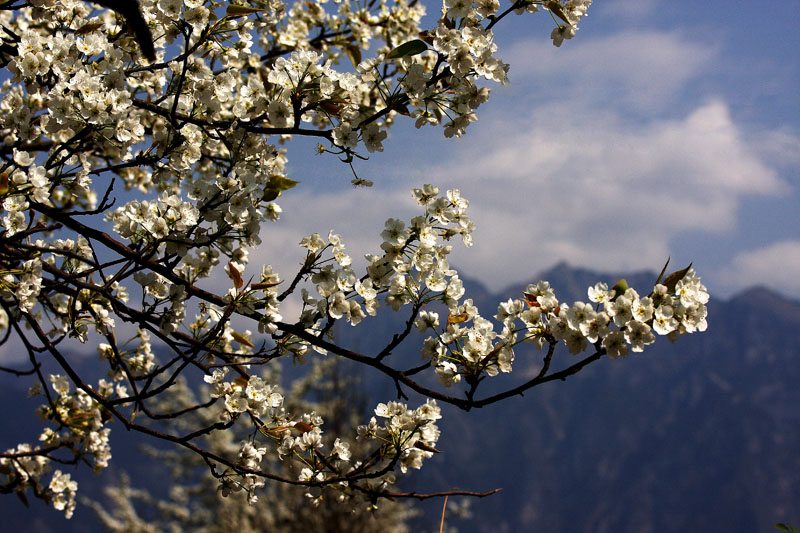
pixel 169 127
pixel 167 216
pixel 195 139
pixel 249 457
pixel 28 180
pixel 467 345
pixel 258 399
pixel 413 267
pixel 414 270
pixel 80 428
pixel 24 466
pixel 24 285
pixel 242 395
pixel 83 417
pixel 406 435
pixel 137 362
pixel 73 313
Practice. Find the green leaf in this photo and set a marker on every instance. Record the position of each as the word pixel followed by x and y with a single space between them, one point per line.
pixel 233 11
pixel 354 53
pixel 281 183
pixel 241 339
pixel 620 287
pixel 270 195
pixel 276 185
pixel 411 48
pixel 557 10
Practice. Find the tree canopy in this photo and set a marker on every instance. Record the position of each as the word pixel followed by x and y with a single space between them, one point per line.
pixel 142 155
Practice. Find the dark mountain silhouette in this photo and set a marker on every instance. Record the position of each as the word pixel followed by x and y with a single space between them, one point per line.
pixel 701 435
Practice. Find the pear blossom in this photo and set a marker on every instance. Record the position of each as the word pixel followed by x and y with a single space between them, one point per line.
pixel 133 188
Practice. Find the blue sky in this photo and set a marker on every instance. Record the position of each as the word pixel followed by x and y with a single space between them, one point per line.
pixel 662 129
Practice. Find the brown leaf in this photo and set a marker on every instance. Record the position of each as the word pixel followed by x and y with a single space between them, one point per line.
pixel 302 427
pixel 425 447
pixel 88 28
pixel 331 107
pixel 661 275
pixel 457 319
pixel 672 280
pixel 496 350
pixel 530 299
pixel 261 286
pixel 23 498
pixel 273 432
pixel 235 276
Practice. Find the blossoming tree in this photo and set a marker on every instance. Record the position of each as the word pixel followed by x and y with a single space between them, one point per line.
pixel 139 161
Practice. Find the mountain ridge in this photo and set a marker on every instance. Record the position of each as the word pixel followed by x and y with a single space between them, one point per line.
pixel 693 436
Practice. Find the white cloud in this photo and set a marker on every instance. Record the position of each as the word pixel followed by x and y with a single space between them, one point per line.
pixel 357 215
pixel 599 190
pixel 776 266
pixel 13 353
pixel 639 70
pixel 780 146
pixel 560 167
pixel 627 10
pixel 604 153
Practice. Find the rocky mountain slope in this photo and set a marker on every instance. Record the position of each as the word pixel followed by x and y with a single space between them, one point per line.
pixel 701 435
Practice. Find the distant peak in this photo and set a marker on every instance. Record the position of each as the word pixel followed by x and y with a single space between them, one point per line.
pixel 763 296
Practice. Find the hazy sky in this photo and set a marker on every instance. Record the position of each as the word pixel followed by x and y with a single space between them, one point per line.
pixel 662 129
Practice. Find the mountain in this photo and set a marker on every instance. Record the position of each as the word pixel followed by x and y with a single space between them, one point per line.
pixel 700 435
